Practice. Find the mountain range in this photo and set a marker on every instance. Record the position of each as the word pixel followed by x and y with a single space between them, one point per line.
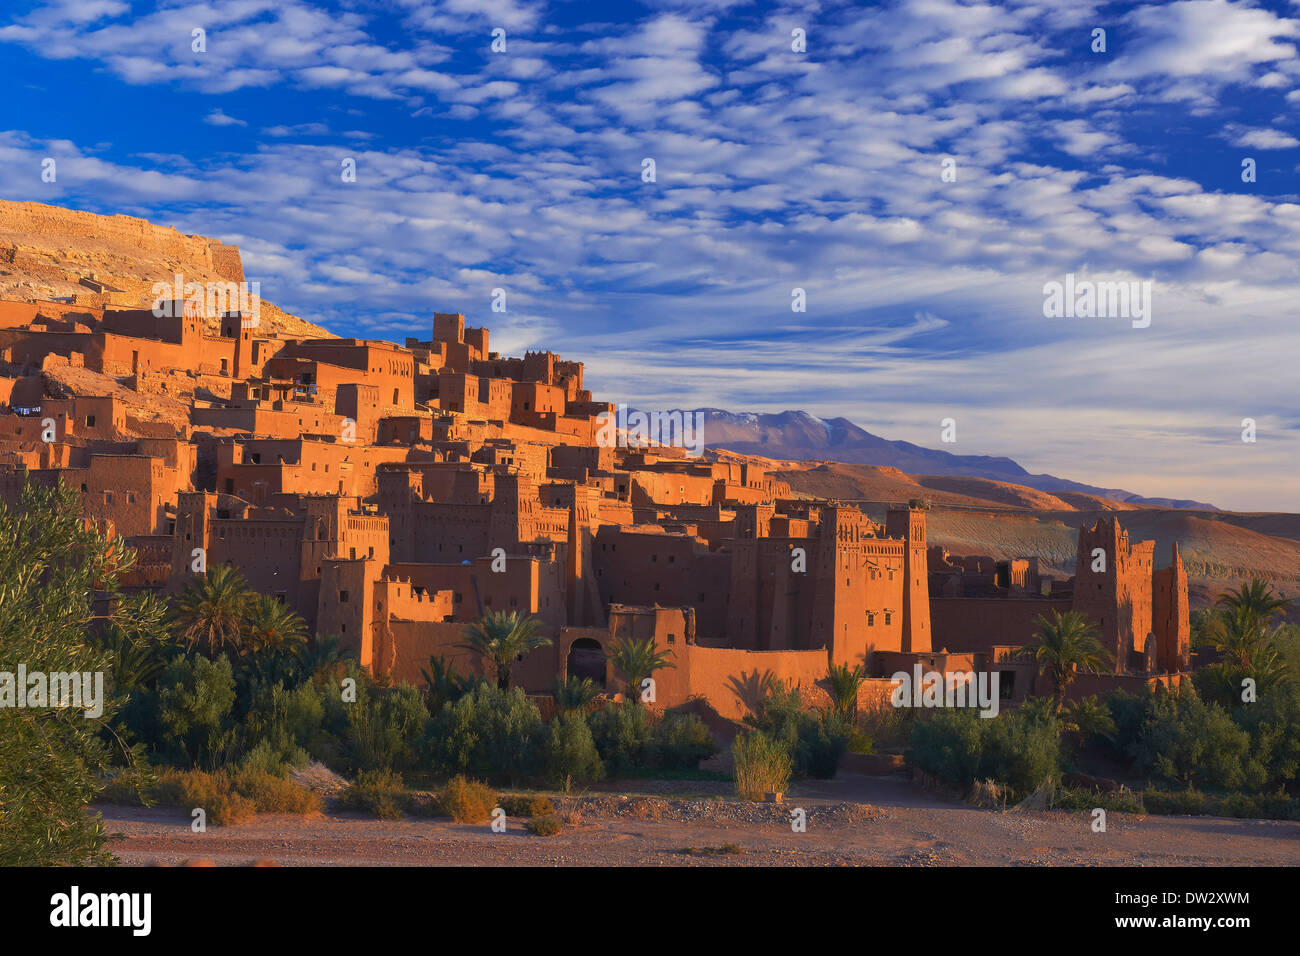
pixel 798 436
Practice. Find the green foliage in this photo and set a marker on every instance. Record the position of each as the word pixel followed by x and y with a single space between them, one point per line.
pixel 467 801
pixel 545 826
pixel 816 741
pixel 281 724
pixel 681 741
pixel 525 804
pixel 195 701
pixel 569 753
pixel 209 614
pixel 385 729
pixel 443 683
pixel 574 695
pixel 501 638
pixel 1123 801
pixel 1184 740
pixel 1064 647
pixel 380 792
pixel 1273 723
pixel 624 737
pixel 636 660
pixel 959 747
pixel 489 731
pixel 52 760
pixel 844 683
pixel 763 765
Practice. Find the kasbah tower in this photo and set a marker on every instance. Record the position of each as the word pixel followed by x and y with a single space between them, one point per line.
pixel 391 494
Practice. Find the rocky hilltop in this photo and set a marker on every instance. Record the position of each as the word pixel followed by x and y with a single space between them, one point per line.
pixel 48 252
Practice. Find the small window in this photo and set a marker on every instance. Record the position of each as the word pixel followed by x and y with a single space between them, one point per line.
pixel 343 597
pixel 90 421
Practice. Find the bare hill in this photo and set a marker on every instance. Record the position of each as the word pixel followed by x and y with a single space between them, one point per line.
pixel 50 252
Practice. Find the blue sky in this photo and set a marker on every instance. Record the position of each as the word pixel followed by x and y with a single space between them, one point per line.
pixel 775 170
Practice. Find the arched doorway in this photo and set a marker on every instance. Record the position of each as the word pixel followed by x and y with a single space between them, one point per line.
pixel 586 659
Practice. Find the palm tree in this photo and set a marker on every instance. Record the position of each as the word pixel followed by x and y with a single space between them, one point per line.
pixel 1241 630
pixel 844 683
pixel 1065 647
pixel 573 695
pixel 502 639
pixel 443 682
pixel 638 660
pixel 1254 604
pixel 210 611
pixel 272 626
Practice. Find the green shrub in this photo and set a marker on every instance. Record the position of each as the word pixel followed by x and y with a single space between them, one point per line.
pixel 1184 740
pixel 129 787
pixel 959 747
pixel 1189 802
pixel 570 753
pixel 525 805
pixel 196 697
pixel 489 732
pixel 380 792
pixel 1237 805
pixel 763 765
pixel 1122 801
pixel 386 729
pixel 547 825
pixel 624 737
pixel 681 741
pixel 467 801
pixel 816 741
pixel 267 758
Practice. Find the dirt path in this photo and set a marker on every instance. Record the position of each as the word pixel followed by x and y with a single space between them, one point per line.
pixel 907 826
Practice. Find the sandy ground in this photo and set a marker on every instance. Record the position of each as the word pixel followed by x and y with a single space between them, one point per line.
pixel 904 826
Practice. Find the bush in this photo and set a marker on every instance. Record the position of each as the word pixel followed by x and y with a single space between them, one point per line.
pixel 1189 802
pixel 624 737
pixel 1123 801
pixel 211 792
pixel 816 741
pixel 128 787
pixel 959 747
pixel 275 794
pixel 489 732
pixel 570 753
pixel 681 741
pixel 525 805
pixel 380 792
pixel 763 765
pixel 1184 740
pixel 385 730
pixel 195 700
pixel 467 801
pixel 280 725
pixel 547 825
pixel 267 758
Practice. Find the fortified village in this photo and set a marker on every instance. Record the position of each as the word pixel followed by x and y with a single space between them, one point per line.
pixel 391 494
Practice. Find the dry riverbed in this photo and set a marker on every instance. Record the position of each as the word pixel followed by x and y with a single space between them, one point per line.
pixel 851 821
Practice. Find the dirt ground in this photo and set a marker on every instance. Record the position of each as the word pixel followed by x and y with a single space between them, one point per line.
pixel 854 820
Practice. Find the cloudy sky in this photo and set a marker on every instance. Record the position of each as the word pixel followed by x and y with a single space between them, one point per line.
pixel 775 169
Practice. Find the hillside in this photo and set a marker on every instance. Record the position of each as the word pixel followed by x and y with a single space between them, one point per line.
pixel 50 252
pixel 1006 520
pixel 798 436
